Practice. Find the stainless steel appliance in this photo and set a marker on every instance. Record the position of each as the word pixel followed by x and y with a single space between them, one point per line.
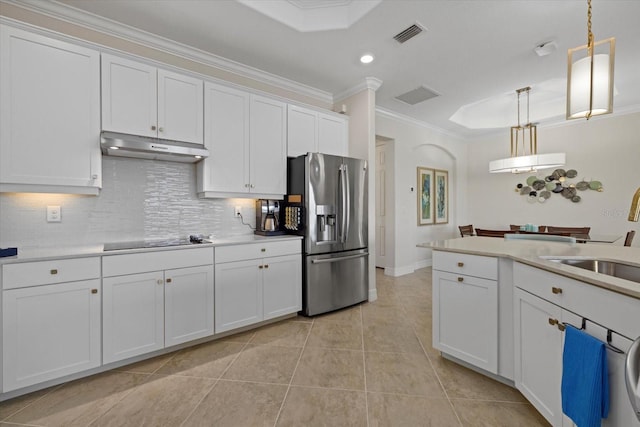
pixel 268 217
pixel 334 224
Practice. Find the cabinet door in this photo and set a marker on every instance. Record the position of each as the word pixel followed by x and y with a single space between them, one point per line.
pixel 538 354
pixel 49 114
pixel 465 312
pixel 238 294
pixel 180 107
pixel 268 153
pixel 188 313
pixel 282 285
pixel 333 134
pixel 302 131
pixel 49 332
pixel 226 137
pixel 133 315
pixel 129 97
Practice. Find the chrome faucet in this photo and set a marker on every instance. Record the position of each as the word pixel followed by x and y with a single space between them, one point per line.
pixel 634 212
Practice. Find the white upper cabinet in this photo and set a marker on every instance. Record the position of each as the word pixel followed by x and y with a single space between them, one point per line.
pixel 140 99
pixel 246 138
pixel 313 131
pixel 49 115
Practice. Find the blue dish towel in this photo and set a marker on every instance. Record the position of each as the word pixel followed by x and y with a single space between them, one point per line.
pixel 585 380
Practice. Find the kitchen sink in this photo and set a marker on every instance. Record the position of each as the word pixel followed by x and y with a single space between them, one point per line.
pixel 610 268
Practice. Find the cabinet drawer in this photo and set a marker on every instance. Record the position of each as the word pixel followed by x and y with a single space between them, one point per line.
pixel 618 312
pixel 48 272
pixel 118 265
pixel 470 265
pixel 257 250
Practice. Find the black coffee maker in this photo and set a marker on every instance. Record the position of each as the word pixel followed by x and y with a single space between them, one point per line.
pixel 268 217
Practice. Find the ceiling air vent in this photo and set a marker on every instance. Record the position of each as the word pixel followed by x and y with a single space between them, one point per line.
pixel 409 33
pixel 417 95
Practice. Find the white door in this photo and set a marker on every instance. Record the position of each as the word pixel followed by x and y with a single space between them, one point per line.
pixel 133 315
pixel 238 294
pixel 333 135
pixel 49 332
pixel 538 353
pixel 465 310
pixel 49 112
pixel 381 213
pixel 268 153
pixel 282 285
pixel 188 301
pixel 180 107
pixel 226 137
pixel 129 96
pixel 302 131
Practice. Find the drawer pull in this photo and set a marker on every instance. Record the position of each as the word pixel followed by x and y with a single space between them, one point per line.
pixel 261 267
pixel 553 322
pixel 460 279
pixel 94 291
pixel 54 271
pixel 561 327
pixel 266 266
pixel 263 250
pixel 461 264
pixel 556 290
pixel 169 280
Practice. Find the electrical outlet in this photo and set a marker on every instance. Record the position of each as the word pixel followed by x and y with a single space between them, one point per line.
pixel 53 214
pixel 237 212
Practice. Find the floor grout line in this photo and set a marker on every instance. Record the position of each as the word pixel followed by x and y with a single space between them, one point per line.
pixel 275 423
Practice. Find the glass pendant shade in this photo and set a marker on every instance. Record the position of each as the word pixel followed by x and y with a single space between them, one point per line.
pixel 590 80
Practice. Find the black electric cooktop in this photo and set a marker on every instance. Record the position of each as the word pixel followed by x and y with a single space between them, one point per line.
pixel 141 244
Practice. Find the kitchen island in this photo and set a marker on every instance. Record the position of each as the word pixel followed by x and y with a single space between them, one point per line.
pixel 501 306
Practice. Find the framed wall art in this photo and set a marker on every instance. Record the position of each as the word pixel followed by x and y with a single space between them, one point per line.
pixel 425 196
pixel 441 198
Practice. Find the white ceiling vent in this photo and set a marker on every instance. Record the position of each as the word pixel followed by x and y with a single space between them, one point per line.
pixel 416 96
pixel 409 33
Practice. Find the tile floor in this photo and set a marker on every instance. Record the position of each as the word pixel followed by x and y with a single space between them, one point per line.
pixel 370 365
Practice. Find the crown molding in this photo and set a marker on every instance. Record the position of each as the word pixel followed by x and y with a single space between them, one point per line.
pixel 372 83
pixel 401 117
pixel 75 16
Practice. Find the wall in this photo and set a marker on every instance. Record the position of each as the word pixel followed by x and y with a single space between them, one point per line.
pixel 361 107
pixel 416 145
pixel 604 148
pixel 140 199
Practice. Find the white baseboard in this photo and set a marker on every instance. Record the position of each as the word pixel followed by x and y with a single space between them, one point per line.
pixel 373 294
pixel 399 271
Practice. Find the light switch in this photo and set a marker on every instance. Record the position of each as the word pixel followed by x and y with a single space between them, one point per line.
pixel 53 214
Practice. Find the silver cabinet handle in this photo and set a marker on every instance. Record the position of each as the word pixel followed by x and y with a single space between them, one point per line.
pixel 344 258
pixel 632 375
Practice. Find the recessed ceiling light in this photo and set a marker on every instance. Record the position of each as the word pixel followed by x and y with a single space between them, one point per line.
pixel 367 58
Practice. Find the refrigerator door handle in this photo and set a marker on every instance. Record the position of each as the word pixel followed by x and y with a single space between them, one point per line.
pixel 344 258
pixel 344 203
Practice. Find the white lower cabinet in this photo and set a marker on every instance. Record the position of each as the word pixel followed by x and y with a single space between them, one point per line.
pixel 144 312
pixel 543 302
pixel 49 331
pixel 465 308
pixel 538 354
pixel 257 282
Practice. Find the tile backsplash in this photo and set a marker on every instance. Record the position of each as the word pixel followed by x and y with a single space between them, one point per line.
pixel 140 199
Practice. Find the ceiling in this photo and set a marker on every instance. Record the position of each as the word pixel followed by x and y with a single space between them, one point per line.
pixel 471 50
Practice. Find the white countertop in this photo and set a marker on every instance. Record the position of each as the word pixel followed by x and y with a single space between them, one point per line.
pixel 531 251
pixel 60 252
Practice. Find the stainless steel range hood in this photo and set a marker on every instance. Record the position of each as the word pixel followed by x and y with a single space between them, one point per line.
pixel 124 145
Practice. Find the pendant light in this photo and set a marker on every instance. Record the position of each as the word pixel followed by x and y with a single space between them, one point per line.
pixel 590 76
pixel 523 159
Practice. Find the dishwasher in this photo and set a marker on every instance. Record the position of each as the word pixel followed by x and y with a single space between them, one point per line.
pixel 632 375
pixel 619 347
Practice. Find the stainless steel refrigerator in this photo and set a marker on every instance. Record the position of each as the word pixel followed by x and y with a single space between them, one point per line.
pixel 334 223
